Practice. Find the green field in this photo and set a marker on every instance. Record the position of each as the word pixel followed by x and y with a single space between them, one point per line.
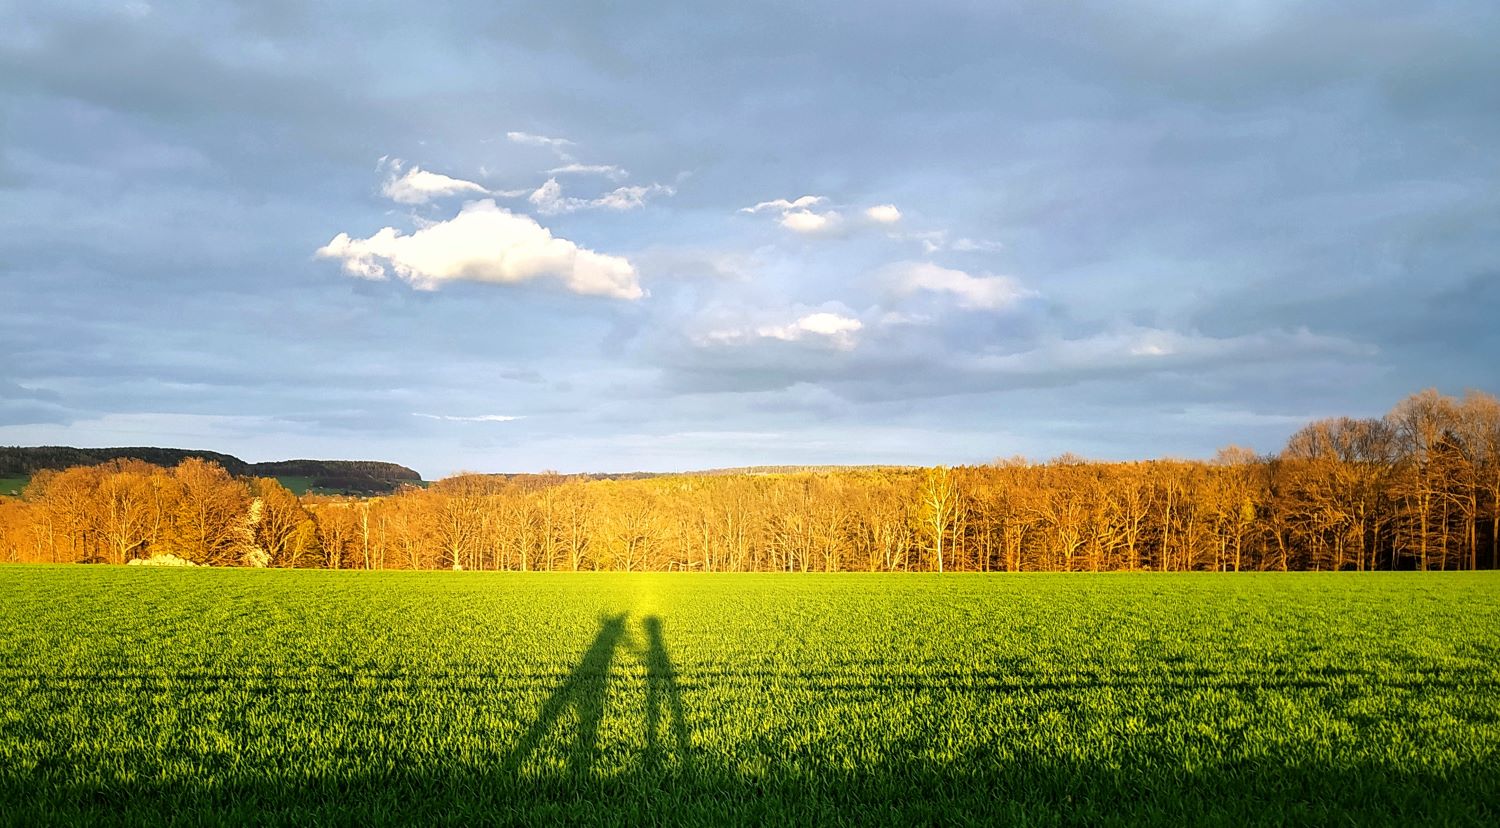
pixel 13 485
pixel 199 696
pixel 297 485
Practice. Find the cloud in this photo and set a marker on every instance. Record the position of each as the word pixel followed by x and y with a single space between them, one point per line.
pixel 484 243
pixel 833 328
pixel 481 418
pixel 549 198
pixel 609 171
pixel 629 198
pixel 986 292
pixel 783 205
pixel 808 222
pixel 831 325
pixel 418 186
pixel 533 140
pixel 798 215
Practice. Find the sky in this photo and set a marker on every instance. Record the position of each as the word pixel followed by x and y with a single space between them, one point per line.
pixel 591 237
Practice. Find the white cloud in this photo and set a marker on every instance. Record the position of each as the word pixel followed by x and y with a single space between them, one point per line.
pixel 484 243
pixel 809 222
pixel 533 140
pixel 418 186
pixel 798 215
pixel 607 170
pixel 835 329
pixel 986 292
pixel 821 324
pixel 783 205
pixel 482 418
pixel 629 198
pixel 549 198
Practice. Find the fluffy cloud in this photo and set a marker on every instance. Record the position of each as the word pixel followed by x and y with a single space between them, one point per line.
pixel 809 222
pixel 418 186
pixel 986 292
pixel 484 243
pixel 883 214
pixel 831 325
pixel 796 214
pixel 834 329
pixel 549 198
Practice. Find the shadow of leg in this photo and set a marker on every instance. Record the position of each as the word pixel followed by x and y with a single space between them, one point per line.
pixel 583 690
pixel 661 679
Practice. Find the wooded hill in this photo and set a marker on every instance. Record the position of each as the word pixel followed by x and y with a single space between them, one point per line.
pixel 349 476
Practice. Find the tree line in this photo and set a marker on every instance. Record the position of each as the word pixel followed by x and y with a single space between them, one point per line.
pixel 358 476
pixel 1416 489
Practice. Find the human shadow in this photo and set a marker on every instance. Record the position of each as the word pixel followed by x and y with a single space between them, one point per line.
pixel 583 691
pixel 661 680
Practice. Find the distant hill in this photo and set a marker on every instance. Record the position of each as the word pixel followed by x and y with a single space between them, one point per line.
pixel 352 476
pixel 819 469
pixel 544 479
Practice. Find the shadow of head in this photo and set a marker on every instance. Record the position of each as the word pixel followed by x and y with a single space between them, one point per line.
pixel 611 631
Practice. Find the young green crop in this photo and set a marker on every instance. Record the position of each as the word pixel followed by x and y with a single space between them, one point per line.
pixel 277 697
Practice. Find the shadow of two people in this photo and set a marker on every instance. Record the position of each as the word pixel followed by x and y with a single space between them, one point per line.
pixel 584 692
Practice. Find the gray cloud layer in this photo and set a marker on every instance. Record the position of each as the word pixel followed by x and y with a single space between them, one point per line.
pixel 1125 230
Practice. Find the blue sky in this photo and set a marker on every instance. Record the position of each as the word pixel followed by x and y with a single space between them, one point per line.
pixel 645 237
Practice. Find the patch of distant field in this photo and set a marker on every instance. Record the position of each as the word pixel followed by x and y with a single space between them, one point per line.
pixel 313 485
pixel 297 485
pixel 145 696
pixel 13 486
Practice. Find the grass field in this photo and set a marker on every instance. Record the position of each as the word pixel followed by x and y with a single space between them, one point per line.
pixel 13 485
pixel 298 485
pixel 199 696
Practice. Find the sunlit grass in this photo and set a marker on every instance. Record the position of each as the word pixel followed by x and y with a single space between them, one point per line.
pixel 297 697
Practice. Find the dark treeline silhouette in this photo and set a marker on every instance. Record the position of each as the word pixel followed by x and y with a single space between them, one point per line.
pixel 362 476
pixel 1416 489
